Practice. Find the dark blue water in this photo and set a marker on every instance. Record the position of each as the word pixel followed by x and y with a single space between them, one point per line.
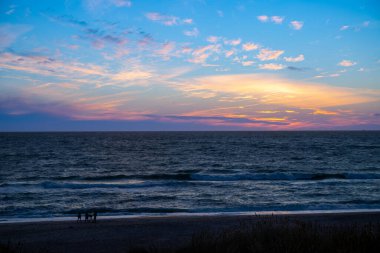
pixel 59 174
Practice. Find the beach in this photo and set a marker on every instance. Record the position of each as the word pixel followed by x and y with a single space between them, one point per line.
pixel 124 234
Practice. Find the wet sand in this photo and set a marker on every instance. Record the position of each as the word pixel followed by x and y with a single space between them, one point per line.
pixel 120 235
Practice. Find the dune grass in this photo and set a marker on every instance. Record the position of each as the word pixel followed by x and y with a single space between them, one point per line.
pixel 277 235
pixel 266 234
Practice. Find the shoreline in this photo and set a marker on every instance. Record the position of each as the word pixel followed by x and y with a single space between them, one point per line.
pixel 179 215
pixel 124 234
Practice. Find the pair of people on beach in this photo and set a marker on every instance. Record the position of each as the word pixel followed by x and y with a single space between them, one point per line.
pixel 87 217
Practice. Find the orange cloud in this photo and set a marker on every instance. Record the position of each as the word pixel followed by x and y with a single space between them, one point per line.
pixel 271 90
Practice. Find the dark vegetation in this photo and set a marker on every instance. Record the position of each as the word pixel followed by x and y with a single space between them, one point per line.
pixel 274 235
pixel 270 235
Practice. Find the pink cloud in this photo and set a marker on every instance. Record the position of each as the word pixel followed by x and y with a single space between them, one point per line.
pixel 263 18
pixel 346 63
pixel 277 19
pixel 272 66
pixel 250 46
pixel 296 25
pixel 266 54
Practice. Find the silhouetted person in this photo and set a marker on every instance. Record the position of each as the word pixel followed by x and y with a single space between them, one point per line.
pixel 95 214
pixel 86 217
pixel 79 217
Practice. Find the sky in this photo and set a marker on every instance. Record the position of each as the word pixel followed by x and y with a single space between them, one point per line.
pixel 115 65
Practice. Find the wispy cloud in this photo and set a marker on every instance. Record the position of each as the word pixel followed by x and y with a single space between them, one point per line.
pixel 272 66
pixel 298 58
pixel 271 89
pixel 201 54
pixel 166 50
pixel 247 63
pixel 95 5
pixel 9 33
pixel 12 9
pixel 267 54
pixel 296 25
pixel 346 63
pixel 229 53
pixel 167 20
pixel 356 27
pixel 192 33
pixel 250 46
pixel 47 66
pixel 277 19
pixel 233 42
pixel 129 75
pixel 122 3
pixel 213 39
pixel 188 21
pixel 263 18
pixel 274 19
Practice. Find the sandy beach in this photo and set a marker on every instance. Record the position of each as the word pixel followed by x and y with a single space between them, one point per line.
pixel 121 235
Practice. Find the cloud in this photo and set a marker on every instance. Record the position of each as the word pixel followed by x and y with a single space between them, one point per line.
pixel 270 89
pixel 166 50
pixel 247 63
pixel 213 39
pixel 9 33
pixel 296 68
pixel 324 75
pixel 131 75
pixel 45 65
pixel 296 25
pixel 266 54
pixel 346 63
pixel 233 42
pixel 277 19
pixel 79 72
pixel 95 5
pixel 324 112
pixel 192 33
pixel 11 10
pixel 188 21
pixel 229 53
pixel 357 27
pixel 201 54
pixel 263 18
pixel 100 38
pixel 250 46
pixel 214 119
pixel 274 19
pixel 167 19
pixel 67 20
pixel 299 58
pixel 272 66
pixel 122 3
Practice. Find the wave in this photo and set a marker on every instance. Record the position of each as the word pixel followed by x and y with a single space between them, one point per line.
pixel 285 176
pixel 153 180
pixel 54 185
pixel 229 177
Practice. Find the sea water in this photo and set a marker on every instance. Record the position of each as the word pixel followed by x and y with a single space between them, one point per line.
pixel 136 173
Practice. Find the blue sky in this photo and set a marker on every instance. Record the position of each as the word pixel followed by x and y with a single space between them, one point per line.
pixel 189 65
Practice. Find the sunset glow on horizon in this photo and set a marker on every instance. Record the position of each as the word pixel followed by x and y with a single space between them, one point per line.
pixel 189 65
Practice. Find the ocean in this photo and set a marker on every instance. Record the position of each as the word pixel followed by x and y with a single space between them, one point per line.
pixel 46 175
